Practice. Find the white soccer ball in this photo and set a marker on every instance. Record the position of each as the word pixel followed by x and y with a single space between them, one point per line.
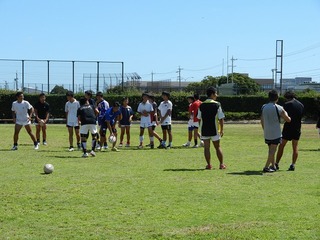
pixel 112 139
pixel 41 122
pixel 48 168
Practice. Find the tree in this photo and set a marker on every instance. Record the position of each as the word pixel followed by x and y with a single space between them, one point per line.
pixel 245 85
pixel 58 90
pixel 201 87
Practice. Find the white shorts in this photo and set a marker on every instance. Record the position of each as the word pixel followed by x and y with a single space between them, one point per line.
pixel 125 125
pixel 145 124
pixel 73 123
pixel 195 124
pixel 190 123
pixel 212 138
pixel 84 129
pixel 23 123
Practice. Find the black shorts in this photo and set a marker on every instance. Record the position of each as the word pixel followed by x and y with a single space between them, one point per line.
pixel 276 141
pixel 166 127
pixel 76 127
pixel 291 134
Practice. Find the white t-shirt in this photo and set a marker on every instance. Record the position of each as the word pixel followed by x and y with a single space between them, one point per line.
pixel 147 106
pixel 72 108
pixel 22 112
pixel 163 108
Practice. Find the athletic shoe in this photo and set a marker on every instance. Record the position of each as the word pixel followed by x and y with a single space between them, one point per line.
pixel 186 144
pixel 105 147
pixel 36 147
pixel 208 167
pixel 127 145
pixel 273 168
pixel 140 146
pixel 277 166
pixel 114 149
pixel 168 147
pixel 291 168
pixel 98 147
pixel 267 169
pixel 161 146
pixel 195 146
pixel 222 166
pixel 92 153
pixel 14 148
pixel 120 145
pixel 151 146
pixel 85 155
pixel 201 143
pixel 71 149
pixel 148 145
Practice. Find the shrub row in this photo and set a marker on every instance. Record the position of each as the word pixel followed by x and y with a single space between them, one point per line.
pixel 237 107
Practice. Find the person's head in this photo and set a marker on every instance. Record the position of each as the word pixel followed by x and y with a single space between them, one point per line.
pixel 19 96
pixel 115 106
pixel 151 98
pixel 190 99
pixel 42 97
pixel 165 95
pixel 83 101
pixel 145 97
pixel 88 94
pixel 211 92
pixel 289 95
pixel 196 96
pixel 273 96
pixel 69 95
pixel 125 101
pixel 99 96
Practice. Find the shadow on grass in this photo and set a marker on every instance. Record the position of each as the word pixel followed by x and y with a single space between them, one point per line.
pixel 6 150
pixel 247 173
pixel 183 170
pixel 309 150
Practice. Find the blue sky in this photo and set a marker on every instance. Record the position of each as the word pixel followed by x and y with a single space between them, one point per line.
pixel 159 36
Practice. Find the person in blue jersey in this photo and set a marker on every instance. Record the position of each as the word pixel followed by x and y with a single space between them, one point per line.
pixel 125 122
pixel 209 113
pixel 112 116
pixel 87 117
pixel 102 106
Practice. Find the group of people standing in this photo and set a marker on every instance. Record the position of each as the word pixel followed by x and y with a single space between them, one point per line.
pixel 82 117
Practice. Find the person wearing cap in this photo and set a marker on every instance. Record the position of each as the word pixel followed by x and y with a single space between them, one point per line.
pixel 209 113
pixel 165 109
pixel 145 109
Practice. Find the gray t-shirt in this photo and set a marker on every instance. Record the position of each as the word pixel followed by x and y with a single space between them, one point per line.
pixel 271 119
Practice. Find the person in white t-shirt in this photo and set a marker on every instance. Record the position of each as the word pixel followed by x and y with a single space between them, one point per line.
pixel 165 109
pixel 145 109
pixel 21 113
pixel 71 109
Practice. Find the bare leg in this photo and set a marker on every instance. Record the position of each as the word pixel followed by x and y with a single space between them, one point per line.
pixel 38 130
pixel 122 134
pixel 271 155
pixel 128 134
pixel 219 153
pixel 280 150
pixel 70 131
pixel 17 129
pixel 44 132
pixel 207 154
pixel 29 131
pixel 294 151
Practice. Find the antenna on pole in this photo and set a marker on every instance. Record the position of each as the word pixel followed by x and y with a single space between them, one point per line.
pixel 16 80
pixel 179 76
pixel 232 66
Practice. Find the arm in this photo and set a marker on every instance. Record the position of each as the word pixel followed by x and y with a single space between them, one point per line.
pixel 109 127
pixel 221 123
pixel 285 116
pixel 262 123
pixel 30 112
pixel 14 116
pixel 166 115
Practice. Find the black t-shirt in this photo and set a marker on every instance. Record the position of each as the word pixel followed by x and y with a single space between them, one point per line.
pixel 87 114
pixel 295 110
pixel 42 109
pixel 209 110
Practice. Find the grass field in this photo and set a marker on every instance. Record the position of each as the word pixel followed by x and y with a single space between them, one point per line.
pixel 158 194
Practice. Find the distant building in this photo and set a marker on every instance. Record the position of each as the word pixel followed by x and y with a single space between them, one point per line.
pixel 266 84
pixel 158 86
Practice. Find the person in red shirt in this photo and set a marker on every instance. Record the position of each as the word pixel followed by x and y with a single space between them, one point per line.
pixel 194 108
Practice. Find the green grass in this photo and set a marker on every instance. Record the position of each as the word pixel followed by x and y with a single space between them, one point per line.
pixel 158 194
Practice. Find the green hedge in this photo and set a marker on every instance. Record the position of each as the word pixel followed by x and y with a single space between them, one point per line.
pixel 235 107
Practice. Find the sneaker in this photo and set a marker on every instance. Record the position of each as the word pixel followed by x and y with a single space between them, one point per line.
pixel 291 168
pixel 168 147
pixel 276 166
pixel 140 146
pixel 14 148
pixel 267 169
pixel 195 146
pixel 44 143
pixel 186 144
pixel 222 166
pixel 161 146
pixel 85 155
pixel 120 145
pixel 105 147
pixel 151 146
pixel 98 147
pixel 114 149
pixel 71 149
pixel 92 153
pixel 208 167
pixel 201 143
pixel 148 145
pixel 127 145
pixel 36 147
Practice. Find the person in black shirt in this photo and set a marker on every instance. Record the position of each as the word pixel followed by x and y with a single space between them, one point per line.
pixel 87 116
pixel 41 110
pixel 291 130
pixel 209 113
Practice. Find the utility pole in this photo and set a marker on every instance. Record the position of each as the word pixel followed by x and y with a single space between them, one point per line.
pixel 179 76
pixel 16 80
pixel 273 79
pixel 232 66
pixel 227 64
pixel 222 67
pixel 152 73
